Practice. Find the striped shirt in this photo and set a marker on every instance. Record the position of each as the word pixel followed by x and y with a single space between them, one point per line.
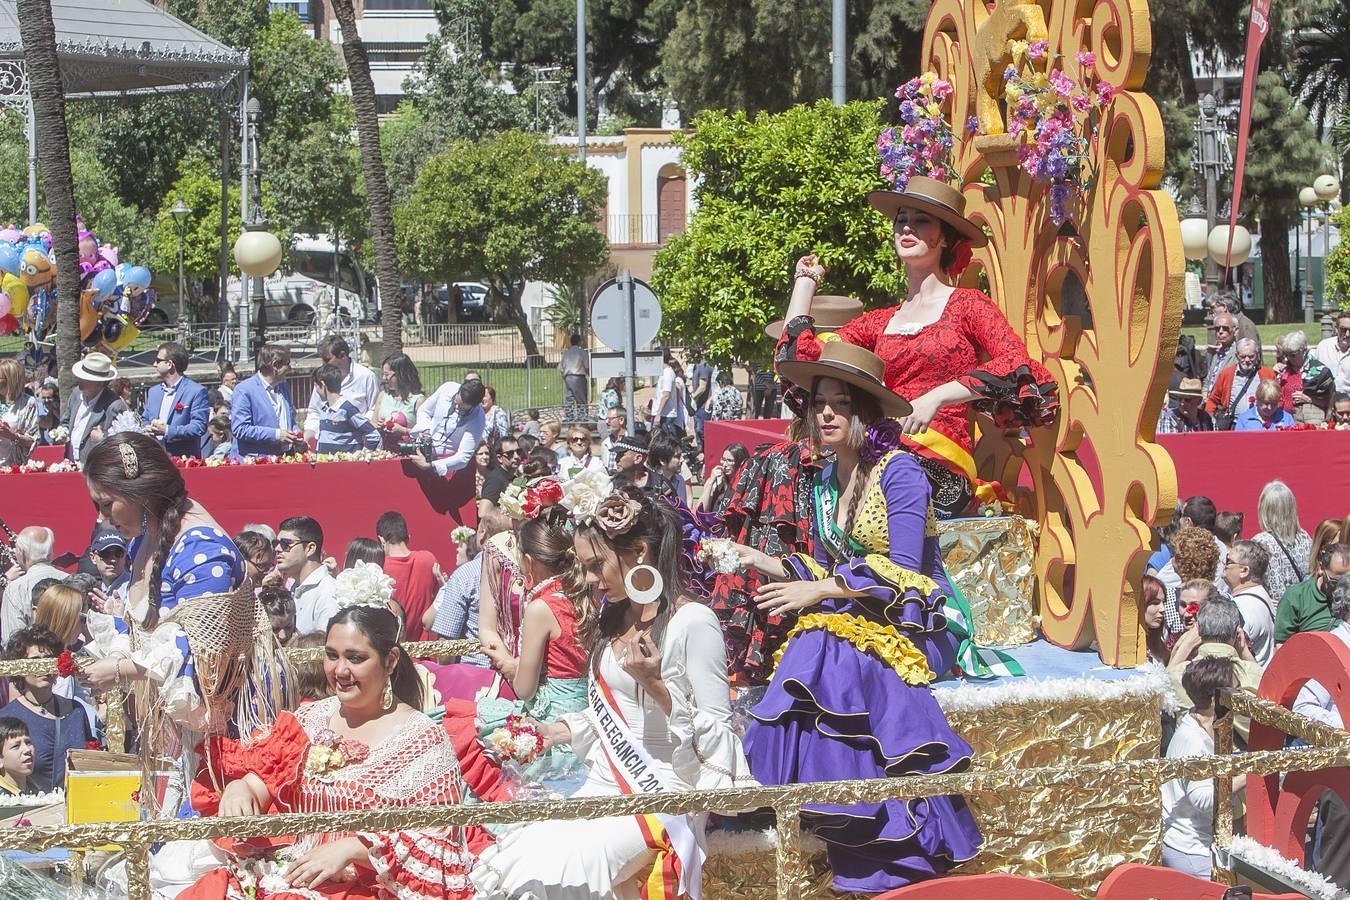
pixel 344 429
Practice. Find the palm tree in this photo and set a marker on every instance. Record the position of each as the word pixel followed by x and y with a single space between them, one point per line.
pixel 1322 64
pixel 377 186
pixel 38 34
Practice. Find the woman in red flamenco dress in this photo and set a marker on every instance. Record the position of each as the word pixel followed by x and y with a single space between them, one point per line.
pixel 946 348
pixel 368 746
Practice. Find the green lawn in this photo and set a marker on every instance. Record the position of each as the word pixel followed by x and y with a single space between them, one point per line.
pixel 1268 332
pixel 517 387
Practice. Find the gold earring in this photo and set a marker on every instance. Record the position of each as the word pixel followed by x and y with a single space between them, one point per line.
pixel 387 697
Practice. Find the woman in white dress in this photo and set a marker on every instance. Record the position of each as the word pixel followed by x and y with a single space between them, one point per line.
pixel 658 718
pixel 18 415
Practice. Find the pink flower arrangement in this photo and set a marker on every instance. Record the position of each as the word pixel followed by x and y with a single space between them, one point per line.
pixel 921 143
pixel 1045 109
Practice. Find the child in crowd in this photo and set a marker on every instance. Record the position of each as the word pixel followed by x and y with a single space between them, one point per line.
pixel 218 434
pixel 1228 527
pixel 16 757
pixel 342 427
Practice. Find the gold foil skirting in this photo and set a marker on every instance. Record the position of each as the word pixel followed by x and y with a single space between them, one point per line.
pixel 1077 832
pixel 991 561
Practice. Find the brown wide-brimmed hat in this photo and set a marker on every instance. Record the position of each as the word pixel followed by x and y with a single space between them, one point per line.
pixel 850 364
pixel 1188 387
pixel 934 197
pixel 830 311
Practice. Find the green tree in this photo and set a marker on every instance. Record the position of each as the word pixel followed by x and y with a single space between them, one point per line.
pixel 512 208
pixel 199 186
pixel 773 188
pixel 1283 155
pixel 1338 264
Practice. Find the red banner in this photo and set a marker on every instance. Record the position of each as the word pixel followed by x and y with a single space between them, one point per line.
pixel 1257 29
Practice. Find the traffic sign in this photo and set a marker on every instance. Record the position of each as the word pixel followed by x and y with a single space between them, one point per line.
pixel 610 307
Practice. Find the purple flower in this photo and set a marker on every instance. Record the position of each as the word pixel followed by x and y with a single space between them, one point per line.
pixel 973 125
pixel 1061 83
pixel 1037 49
pixel 1059 195
pixel 882 438
pixel 1080 103
pixel 1087 61
pixel 908 112
pixel 1009 73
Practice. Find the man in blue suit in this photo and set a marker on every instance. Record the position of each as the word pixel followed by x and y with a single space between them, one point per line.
pixel 262 416
pixel 176 409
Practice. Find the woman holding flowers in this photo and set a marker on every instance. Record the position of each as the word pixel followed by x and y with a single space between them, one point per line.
pixel 946 348
pixel 850 696
pixel 367 746
pixel 658 717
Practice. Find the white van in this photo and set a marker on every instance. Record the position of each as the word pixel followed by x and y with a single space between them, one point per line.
pixel 298 296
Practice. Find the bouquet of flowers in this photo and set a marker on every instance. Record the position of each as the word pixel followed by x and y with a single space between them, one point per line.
pixel 922 143
pixel 512 500
pixel 519 742
pixel 59 435
pixel 328 753
pixel 1044 106
pixel 718 555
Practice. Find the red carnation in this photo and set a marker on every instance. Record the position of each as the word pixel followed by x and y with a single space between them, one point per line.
pixel 65 664
pixel 178 407
pixel 92 745
pixel 550 492
pixel 1192 609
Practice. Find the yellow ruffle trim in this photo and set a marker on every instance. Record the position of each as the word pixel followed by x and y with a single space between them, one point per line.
pixel 899 577
pixel 882 641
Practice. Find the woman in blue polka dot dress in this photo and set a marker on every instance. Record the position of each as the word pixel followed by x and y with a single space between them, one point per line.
pixel 190 615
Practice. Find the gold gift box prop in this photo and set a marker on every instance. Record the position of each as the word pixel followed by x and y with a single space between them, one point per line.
pixel 992 562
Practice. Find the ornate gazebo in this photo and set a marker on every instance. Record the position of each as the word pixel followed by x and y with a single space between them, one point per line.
pixel 130 48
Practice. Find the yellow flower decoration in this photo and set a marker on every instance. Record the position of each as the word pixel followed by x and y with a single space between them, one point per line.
pixel 1012 93
pixel 927 78
pixel 1018 49
pixel 933 110
pixel 882 641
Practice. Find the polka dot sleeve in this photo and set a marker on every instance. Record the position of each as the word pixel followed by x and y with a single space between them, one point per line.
pixel 203 561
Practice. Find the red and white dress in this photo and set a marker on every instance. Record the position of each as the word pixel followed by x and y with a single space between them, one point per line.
pixel 415 766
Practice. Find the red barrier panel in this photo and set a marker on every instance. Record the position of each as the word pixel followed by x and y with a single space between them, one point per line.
pixel 1228 467
pixel 345 497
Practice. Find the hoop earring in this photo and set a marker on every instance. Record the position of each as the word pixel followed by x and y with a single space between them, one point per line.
pixel 643 583
pixel 387 696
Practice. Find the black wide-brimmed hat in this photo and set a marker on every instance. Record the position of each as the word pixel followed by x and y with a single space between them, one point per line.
pixel 852 365
pixel 934 197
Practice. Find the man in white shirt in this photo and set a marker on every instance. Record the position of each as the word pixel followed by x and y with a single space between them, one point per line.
pixel 452 419
pixel 33 552
pixel 359 386
pixel 300 557
pixel 1245 573
pixel 1334 353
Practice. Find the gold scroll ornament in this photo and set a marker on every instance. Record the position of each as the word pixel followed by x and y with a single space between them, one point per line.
pixel 1098 480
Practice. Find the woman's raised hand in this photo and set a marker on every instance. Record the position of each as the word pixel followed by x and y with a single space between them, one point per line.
pixel 811 267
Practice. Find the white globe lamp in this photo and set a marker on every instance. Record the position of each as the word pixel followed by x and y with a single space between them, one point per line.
pixel 1194 237
pixel 1307 196
pixel 1218 246
pixel 1326 187
pixel 258 253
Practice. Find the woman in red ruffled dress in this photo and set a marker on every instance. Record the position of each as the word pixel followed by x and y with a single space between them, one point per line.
pixel 946 348
pixel 368 746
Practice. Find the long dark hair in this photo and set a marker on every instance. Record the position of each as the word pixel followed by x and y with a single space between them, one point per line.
pixel 363 549
pixel 864 411
pixel 406 377
pixel 381 629
pixel 158 487
pixel 658 527
pixel 545 538
pixel 740 453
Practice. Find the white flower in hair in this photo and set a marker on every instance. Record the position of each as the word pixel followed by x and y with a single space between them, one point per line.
pixel 512 501
pixel 583 493
pixel 364 584
pixel 128 420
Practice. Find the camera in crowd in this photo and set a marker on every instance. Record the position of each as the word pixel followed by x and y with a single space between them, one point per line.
pixel 422 445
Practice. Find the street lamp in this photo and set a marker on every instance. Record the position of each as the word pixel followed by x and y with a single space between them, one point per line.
pixel 180 213
pixel 1321 193
pixel 257 251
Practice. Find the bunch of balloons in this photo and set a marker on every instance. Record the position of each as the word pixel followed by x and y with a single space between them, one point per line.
pixel 115 298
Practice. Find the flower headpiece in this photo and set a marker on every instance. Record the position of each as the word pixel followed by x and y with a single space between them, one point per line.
pixel 461 534
pixel 583 494
pixel 364 584
pixel 617 514
pixel 539 496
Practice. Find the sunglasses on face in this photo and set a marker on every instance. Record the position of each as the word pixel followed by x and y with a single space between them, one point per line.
pixel 284 544
pixel 112 554
pixel 510 454
pixel 579 440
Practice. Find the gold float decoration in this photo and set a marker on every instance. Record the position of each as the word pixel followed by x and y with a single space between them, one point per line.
pixel 1099 481
pixel 992 562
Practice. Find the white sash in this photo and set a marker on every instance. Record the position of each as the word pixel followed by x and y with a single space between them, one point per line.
pixel 637 773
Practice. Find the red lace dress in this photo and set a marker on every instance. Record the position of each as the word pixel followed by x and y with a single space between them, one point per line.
pixel 415 766
pixel 972 344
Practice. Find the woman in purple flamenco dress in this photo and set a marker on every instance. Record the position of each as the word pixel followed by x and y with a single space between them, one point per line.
pixel 850 695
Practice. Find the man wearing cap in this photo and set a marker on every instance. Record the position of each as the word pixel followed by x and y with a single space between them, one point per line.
pixel 93 407
pixel 1188 414
pixel 176 409
pixel 108 553
pixel 630 457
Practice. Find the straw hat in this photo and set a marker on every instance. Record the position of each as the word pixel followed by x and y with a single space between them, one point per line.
pixel 1188 387
pixel 850 364
pixel 934 197
pixel 830 311
pixel 94 367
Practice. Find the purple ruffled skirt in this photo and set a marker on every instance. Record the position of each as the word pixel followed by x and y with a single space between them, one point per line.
pixel 833 713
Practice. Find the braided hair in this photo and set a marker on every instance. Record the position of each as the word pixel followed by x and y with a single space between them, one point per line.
pixel 864 411
pixel 144 475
